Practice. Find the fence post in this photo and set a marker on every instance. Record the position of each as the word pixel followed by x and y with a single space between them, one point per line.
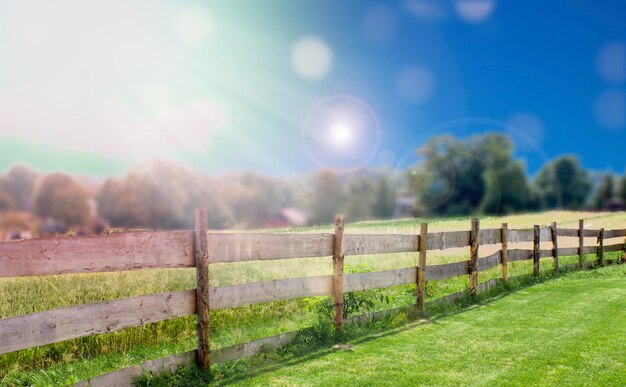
pixel 536 249
pixel 624 256
pixel 338 267
pixel 505 251
pixel 600 252
pixel 421 267
pixel 581 244
pixel 473 262
pixel 202 289
pixel 555 245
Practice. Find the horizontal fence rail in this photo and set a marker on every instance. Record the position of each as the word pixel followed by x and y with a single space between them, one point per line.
pixel 177 249
pixel 92 254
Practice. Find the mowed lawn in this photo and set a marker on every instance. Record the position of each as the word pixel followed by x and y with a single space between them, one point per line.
pixel 566 331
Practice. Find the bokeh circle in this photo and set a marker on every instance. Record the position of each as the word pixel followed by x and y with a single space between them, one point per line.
pixel 341 133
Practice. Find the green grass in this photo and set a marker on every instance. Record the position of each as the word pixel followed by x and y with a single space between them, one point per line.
pixel 74 360
pixel 566 331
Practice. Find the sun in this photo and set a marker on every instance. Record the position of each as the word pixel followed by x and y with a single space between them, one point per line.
pixel 341 135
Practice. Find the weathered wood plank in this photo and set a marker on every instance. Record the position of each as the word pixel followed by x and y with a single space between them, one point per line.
pixel 362 244
pixel 519 255
pixel 612 248
pixel 568 251
pixel 251 348
pixel 420 290
pixel 338 261
pixel 591 233
pixel 448 270
pixel 125 376
pixel 103 253
pixel 555 244
pixel 284 289
pixel 202 290
pixel 490 261
pixel 581 243
pixel 448 240
pixel 505 251
pixel 473 261
pixel 56 325
pixel 536 248
pixel 380 279
pixel 226 247
pixel 490 236
pixel 516 236
pixel 589 250
pixel 568 232
pixel 545 254
pixel 485 286
pixel 610 234
pixel 545 234
pixel 600 250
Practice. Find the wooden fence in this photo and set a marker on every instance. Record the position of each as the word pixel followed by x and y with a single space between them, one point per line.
pixel 198 248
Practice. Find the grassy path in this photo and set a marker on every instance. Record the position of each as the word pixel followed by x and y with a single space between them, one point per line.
pixel 567 331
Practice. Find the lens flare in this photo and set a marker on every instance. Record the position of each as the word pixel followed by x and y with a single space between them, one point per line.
pixel 341 133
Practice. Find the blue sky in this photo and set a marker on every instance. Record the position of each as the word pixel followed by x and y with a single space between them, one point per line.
pixel 285 87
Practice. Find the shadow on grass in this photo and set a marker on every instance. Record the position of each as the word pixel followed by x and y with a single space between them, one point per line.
pixel 322 340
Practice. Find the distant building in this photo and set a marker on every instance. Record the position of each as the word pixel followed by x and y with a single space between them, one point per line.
pixel 614 204
pixel 17 235
pixel 287 217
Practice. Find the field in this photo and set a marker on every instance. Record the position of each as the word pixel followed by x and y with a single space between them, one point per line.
pixel 565 331
pixel 78 359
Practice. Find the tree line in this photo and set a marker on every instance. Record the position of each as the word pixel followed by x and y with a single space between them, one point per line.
pixel 453 177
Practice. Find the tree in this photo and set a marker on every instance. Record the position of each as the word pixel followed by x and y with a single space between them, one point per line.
pixel 6 201
pixel 327 197
pixel 361 199
pixel 159 194
pixel 384 198
pixel 19 183
pixel 605 191
pixel 60 198
pixel 563 183
pixel 506 186
pixel 477 175
pixel 622 189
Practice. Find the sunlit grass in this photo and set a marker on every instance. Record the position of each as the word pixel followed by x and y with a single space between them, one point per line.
pixel 72 360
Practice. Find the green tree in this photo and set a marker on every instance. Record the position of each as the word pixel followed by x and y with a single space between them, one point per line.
pixel 61 198
pixel 327 197
pixel 460 177
pixel 384 198
pixel 605 191
pixel 563 183
pixel 506 186
pixel 361 199
pixel 622 189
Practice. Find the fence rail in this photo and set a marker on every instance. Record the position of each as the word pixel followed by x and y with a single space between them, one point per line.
pixel 187 249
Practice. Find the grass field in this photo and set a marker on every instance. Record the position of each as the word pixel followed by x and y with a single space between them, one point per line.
pixel 78 359
pixel 566 331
